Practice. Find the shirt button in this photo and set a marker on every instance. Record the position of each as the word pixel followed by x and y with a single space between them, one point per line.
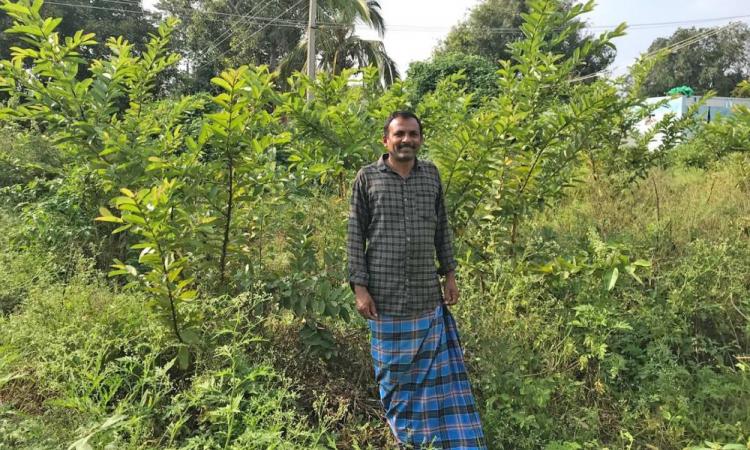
pixel 408 239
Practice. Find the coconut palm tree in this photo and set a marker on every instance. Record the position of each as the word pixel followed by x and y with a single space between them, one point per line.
pixel 337 45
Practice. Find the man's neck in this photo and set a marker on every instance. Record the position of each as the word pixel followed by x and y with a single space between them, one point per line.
pixel 402 168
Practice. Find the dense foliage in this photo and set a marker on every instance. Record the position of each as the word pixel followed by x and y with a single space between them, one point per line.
pixel 492 25
pixel 706 59
pixel 127 19
pixel 605 285
pixel 479 75
pixel 272 33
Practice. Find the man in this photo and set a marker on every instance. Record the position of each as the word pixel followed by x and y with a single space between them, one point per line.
pixel 397 226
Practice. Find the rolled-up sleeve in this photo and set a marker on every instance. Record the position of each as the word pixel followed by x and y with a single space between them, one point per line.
pixel 359 221
pixel 443 238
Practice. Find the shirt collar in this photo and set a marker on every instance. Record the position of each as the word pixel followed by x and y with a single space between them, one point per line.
pixel 383 166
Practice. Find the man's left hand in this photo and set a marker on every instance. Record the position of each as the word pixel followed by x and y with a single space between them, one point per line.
pixel 450 290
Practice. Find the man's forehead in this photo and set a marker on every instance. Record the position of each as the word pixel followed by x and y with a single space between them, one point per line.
pixel 403 123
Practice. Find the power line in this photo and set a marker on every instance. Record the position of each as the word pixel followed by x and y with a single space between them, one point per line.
pixel 515 30
pixel 677 22
pixel 256 19
pixel 397 27
pixel 95 7
pixel 261 28
pixel 246 20
pixel 126 2
pixel 228 32
pixel 670 48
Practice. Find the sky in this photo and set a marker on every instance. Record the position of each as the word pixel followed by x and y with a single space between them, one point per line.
pixel 415 27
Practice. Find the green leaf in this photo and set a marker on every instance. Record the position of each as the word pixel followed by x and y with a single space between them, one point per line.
pixel 613 278
pixel 37 6
pixel 129 207
pixel 181 285
pixel 122 228
pixel 183 358
pixel 26 29
pixel 222 83
pixel 188 295
pixel 16 9
pixel 132 218
pixel 83 443
pixel 112 219
pixel 319 306
pixel 191 336
pixel 105 212
pixel 109 151
pixel 50 24
pixel 174 273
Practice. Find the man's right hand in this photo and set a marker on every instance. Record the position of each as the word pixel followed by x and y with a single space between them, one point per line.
pixel 365 303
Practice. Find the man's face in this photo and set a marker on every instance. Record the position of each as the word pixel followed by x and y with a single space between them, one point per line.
pixel 403 139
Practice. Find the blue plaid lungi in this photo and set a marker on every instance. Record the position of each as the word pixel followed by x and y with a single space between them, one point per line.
pixel 423 383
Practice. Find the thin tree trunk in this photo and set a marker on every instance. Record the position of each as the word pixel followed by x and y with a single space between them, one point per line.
pixel 658 203
pixel 228 224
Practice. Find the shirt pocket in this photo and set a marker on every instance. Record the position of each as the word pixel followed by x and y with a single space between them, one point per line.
pixel 426 205
pixel 384 202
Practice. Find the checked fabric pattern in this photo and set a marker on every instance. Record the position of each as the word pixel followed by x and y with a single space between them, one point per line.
pixel 397 227
pixel 423 383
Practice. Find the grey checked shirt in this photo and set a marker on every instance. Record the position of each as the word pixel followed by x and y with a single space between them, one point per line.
pixel 397 226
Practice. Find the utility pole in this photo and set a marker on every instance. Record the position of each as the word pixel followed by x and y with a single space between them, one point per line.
pixel 312 26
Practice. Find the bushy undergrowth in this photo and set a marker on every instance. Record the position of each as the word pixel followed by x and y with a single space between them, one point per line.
pixel 563 361
pixel 558 359
pixel 82 363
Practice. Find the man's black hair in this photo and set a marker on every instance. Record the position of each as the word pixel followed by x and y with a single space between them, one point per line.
pixel 401 115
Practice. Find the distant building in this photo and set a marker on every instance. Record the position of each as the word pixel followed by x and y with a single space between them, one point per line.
pixel 713 107
pixel 710 110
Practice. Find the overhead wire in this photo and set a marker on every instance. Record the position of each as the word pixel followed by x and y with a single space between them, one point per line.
pixel 261 28
pixel 260 20
pixel 515 30
pixel 50 2
pixel 229 31
pixel 256 19
pixel 247 19
pixel 400 27
pixel 670 48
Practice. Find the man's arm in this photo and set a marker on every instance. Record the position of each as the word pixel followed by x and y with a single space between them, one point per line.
pixel 444 250
pixel 443 239
pixel 356 241
pixel 364 302
pixel 450 289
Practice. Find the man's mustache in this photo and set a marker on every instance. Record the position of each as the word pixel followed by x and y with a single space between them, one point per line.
pixel 403 146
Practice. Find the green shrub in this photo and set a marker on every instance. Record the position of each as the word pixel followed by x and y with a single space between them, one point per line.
pixel 26 155
pixel 479 76
pixel 111 374
pixel 561 360
pixel 724 136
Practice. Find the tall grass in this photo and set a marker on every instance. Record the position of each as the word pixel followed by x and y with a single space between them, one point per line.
pixel 82 362
pixel 560 361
